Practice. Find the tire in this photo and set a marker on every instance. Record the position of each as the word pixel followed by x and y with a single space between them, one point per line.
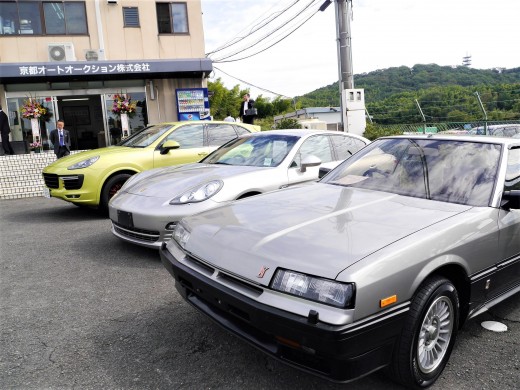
pixel 110 188
pixel 428 335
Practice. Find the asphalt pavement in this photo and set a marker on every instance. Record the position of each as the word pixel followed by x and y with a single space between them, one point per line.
pixel 81 309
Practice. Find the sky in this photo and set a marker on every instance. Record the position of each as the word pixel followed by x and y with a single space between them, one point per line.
pixel 385 33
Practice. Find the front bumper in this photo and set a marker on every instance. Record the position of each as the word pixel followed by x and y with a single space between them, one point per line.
pixel 338 353
pixel 72 187
pixel 143 220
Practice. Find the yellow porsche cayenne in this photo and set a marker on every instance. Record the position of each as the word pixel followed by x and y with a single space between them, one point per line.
pixel 92 177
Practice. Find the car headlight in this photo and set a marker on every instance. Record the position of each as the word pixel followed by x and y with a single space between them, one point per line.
pixel 85 163
pixel 308 287
pixel 181 235
pixel 199 193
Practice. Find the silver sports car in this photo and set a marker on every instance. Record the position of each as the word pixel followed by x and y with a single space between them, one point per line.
pixel 377 265
pixel 147 208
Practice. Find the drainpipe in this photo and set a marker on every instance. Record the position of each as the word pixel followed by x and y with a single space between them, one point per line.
pixel 100 29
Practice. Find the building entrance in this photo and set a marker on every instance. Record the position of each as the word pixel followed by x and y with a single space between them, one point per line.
pixel 83 118
pixel 88 117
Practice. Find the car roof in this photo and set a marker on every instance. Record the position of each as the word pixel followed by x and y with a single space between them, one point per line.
pixel 464 138
pixel 200 121
pixel 300 133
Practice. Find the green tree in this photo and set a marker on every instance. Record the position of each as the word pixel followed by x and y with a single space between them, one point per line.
pixel 288 123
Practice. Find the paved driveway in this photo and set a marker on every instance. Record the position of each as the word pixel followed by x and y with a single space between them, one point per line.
pixel 80 309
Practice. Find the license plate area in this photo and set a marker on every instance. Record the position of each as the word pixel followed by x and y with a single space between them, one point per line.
pixel 46 192
pixel 124 218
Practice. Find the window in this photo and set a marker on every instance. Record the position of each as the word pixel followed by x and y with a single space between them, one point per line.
pixel 513 170
pixel 172 18
pixel 318 146
pixel 220 134
pixel 60 18
pixel 131 17
pixel 346 146
pixel 190 136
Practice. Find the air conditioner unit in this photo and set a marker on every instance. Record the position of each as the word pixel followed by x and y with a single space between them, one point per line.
pixel 95 55
pixel 60 52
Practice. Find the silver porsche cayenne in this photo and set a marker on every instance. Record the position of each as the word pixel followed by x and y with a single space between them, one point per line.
pixel 377 265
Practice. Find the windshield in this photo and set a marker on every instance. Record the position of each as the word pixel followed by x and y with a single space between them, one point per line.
pixel 256 151
pixel 444 170
pixel 145 137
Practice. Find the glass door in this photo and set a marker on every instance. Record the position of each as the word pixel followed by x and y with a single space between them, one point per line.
pixel 21 127
pixel 136 121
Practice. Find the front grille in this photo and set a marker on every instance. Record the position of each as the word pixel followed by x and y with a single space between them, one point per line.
pixel 72 182
pixel 138 234
pixel 51 180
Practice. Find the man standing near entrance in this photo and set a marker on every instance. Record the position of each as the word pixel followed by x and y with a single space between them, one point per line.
pixel 60 138
pixel 5 130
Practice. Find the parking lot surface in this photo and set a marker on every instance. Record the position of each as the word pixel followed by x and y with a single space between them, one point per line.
pixel 81 309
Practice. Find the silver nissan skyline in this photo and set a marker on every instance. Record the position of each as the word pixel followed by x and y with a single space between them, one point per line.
pixel 149 205
pixel 375 266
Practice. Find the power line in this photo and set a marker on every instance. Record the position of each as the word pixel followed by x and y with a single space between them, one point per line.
pixel 236 39
pixel 248 83
pixel 262 39
pixel 281 39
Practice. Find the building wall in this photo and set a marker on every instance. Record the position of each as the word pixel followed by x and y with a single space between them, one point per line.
pixel 121 43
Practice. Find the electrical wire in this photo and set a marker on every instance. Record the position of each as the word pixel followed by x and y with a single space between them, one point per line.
pixel 261 51
pixel 236 40
pixel 248 83
pixel 226 57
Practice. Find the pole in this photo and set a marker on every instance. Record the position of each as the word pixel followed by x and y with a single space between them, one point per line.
pixel 484 111
pixel 343 35
pixel 422 114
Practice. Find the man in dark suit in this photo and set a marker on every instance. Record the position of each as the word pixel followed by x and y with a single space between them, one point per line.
pixel 60 138
pixel 247 104
pixel 5 130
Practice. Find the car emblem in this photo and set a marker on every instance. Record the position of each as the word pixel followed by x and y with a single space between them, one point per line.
pixel 262 272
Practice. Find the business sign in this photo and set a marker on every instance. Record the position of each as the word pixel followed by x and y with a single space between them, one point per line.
pixel 102 68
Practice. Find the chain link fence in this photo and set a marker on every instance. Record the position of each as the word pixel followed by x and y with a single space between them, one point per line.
pixel 375 130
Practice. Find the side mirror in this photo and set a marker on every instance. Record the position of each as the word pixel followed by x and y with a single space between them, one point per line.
pixel 310 161
pixel 170 144
pixel 511 200
pixel 323 171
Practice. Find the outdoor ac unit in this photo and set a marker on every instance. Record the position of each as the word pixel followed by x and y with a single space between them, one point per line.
pixel 60 52
pixel 95 55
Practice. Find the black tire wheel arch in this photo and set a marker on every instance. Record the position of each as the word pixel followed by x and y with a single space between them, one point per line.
pixel 110 188
pixel 429 333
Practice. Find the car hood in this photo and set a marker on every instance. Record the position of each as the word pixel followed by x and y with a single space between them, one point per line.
pixel 318 229
pixel 167 182
pixel 67 161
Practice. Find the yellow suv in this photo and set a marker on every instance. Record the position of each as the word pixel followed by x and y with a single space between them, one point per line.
pixel 92 177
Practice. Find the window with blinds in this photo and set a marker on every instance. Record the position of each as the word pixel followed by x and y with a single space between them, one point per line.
pixel 131 17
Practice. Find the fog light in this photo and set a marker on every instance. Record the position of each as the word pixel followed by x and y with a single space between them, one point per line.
pixel 171 225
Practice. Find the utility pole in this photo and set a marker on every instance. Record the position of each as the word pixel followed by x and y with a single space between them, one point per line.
pixel 344 36
pixel 353 116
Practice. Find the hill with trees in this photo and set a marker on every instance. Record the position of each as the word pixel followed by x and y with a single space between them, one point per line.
pixel 444 93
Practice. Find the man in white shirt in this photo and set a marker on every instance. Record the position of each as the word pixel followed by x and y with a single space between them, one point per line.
pixel 229 118
pixel 60 138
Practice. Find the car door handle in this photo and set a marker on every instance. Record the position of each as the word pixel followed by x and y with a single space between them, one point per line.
pixel 203 154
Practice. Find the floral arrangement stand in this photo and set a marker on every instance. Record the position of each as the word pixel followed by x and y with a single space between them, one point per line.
pixel 33 109
pixel 35 147
pixel 124 106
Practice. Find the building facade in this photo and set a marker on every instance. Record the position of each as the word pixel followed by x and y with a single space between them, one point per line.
pixel 73 57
